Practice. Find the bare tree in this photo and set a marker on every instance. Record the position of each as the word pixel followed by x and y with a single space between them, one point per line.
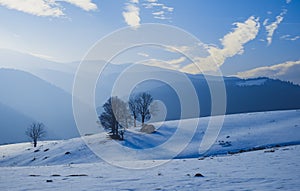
pixel 116 115
pixel 133 106
pixel 35 132
pixel 143 106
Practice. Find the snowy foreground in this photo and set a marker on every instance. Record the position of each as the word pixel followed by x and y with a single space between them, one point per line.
pixel 271 169
pixel 273 163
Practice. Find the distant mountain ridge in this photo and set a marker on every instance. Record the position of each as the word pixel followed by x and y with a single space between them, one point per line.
pixel 242 95
pixel 45 95
pixel 39 101
pixel 55 73
pixel 13 125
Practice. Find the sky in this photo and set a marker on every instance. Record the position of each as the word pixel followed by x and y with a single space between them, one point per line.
pixel 248 38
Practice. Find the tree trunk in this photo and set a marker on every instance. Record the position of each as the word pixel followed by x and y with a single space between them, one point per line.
pixel 113 129
pixel 34 143
pixel 117 129
pixel 143 120
pixel 134 122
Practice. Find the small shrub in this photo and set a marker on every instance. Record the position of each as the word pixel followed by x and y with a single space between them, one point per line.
pixel 198 175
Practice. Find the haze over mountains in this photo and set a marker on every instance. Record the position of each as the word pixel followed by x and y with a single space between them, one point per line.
pixel 33 89
pixel 35 100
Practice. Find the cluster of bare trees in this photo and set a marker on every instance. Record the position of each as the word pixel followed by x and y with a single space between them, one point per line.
pixel 139 106
pixel 118 115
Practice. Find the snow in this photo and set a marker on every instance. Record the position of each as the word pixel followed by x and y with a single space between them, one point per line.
pixel 252 82
pixel 258 170
pixel 248 131
pixel 273 137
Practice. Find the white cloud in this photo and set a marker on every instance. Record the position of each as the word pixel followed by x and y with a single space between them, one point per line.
pixel 170 9
pixel 152 5
pixel 158 13
pixel 233 44
pixel 288 71
pixel 162 17
pixel 294 38
pixel 289 37
pixel 34 7
pixel 132 11
pixel 265 22
pixel 43 56
pixel 168 64
pixel 143 54
pixel 132 15
pixel 179 48
pixel 86 5
pixel 177 61
pixel 161 10
pixel 288 1
pixel 46 7
pixel 285 36
pixel 273 26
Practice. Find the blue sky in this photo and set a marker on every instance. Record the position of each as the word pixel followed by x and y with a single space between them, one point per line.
pixel 247 38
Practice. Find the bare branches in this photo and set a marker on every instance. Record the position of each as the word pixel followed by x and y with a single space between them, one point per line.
pixel 35 132
pixel 116 115
pixel 143 106
pixel 133 106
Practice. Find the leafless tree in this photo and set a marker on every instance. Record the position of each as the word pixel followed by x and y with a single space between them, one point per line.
pixel 116 115
pixel 35 132
pixel 143 106
pixel 133 106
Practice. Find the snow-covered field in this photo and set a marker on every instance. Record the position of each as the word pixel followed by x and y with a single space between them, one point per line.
pixel 273 164
pixel 258 170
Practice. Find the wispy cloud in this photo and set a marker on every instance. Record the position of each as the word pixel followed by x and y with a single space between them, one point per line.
pixel 174 64
pixel 132 13
pixel 43 56
pixel 288 71
pixel 288 1
pixel 158 13
pixel 143 54
pixel 233 44
pixel 86 5
pixel 34 7
pixel 270 28
pixel 160 10
pixel 51 8
pixel 177 61
pixel 289 37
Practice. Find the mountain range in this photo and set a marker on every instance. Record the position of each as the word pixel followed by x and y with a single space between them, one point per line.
pixel 34 89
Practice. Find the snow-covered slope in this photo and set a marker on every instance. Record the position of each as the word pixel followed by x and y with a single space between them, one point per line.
pixel 272 169
pixel 240 132
pixel 268 167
